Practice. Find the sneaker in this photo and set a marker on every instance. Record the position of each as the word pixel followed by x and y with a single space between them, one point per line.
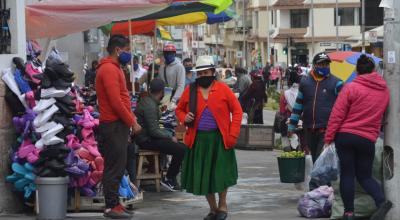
pixel 169 185
pixel 348 216
pixel 382 211
pixel 54 93
pixel 117 212
pixel 45 127
pixel 43 104
pixel 45 116
pixel 52 132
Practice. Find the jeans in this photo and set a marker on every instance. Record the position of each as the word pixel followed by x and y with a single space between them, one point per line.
pixel 166 146
pixel 131 161
pixel 113 138
pixel 356 155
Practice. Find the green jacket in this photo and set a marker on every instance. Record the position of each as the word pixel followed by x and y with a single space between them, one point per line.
pixel 148 116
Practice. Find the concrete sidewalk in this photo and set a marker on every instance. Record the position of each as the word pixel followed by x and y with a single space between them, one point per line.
pixel 258 196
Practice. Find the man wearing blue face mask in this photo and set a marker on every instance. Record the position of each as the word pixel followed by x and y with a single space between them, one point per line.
pixel 116 119
pixel 173 74
pixel 317 95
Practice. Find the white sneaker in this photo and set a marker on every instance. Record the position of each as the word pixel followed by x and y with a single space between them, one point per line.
pixel 54 93
pixel 45 116
pixel 52 132
pixel 52 141
pixel 42 142
pixel 43 104
pixel 45 127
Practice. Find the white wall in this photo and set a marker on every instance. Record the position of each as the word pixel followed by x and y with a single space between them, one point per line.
pixel 18 34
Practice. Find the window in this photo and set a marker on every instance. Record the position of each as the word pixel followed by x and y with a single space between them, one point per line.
pixel 347 16
pixel 299 18
pixel 256 20
pixel 272 17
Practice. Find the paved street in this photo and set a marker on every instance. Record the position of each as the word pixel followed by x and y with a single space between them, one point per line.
pixel 259 195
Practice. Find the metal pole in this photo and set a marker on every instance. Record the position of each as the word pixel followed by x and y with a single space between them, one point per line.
pixel 131 46
pixel 244 35
pixel 337 25
pixel 312 28
pixel 268 31
pixel 154 54
pixel 363 24
pixel 392 127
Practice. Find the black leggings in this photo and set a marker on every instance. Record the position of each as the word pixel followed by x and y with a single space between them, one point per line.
pixel 356 155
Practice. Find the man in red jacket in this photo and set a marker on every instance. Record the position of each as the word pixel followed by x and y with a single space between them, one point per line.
pixel 116 119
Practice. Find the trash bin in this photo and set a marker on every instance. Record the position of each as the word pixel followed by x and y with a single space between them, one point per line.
pixel 52 197
pixel 291 170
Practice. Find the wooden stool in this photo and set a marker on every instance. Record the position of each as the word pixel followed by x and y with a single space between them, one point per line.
pixel 156 176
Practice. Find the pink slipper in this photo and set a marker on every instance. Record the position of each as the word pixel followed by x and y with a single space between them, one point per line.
pixel 33 156
pixel 30 99
pixel 31 71
pixel 99 163
pixel 82 181
pixel 25 149
pixel 92 148
pixel 87 120
pixel 73 142
pixel 84 154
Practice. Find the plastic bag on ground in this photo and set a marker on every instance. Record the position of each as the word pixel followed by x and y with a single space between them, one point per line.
pixel 317 203
pixel 326 168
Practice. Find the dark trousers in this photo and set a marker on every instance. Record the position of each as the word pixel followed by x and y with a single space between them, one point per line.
pixel 315 143
pixel 356 155
pixel 258 117
pixel 165 146
pixel 114 141
pixel 131 161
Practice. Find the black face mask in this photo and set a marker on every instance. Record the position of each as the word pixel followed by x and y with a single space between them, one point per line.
pixel 205 81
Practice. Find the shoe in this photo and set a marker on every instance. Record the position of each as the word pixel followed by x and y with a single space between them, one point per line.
pixel 52 132
pixel 46 172
pixel 45 81
pixel 62 119
pixel 66 109
pixel 14 178
pixel 54 151
pixel 348 216
pixel 74 170
pixel 210 216
pixel 55 164
pixel 67 100
pixel 51 141
pixel 54 93
pixel 61 84
pixel 117 212
pixel 45 116
pixel 31 71
pixel 19 63
pixel 44 104
pixel 99 161
pixel 73 142
pixel 30 99
pixel 126 210
pixel 382 211
pixel 85 154
pixel 45 127
pixel 221 215
pixel 168 185
pixel 91 147
pixel 21 82
pixel 86 191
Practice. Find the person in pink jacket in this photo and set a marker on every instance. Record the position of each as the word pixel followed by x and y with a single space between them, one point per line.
pixel 354 125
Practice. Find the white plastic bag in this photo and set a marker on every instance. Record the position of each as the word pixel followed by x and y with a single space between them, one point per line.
pixel 305 186
pixel 326 168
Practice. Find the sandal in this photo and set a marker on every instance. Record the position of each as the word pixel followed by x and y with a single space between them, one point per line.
pixel 210 216
pixel 221 215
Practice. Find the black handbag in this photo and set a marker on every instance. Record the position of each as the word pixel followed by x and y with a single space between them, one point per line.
pixel 192 101
pixel 278 122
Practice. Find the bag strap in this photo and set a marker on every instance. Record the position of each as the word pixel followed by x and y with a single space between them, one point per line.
pixel 193 99
pixel 165 75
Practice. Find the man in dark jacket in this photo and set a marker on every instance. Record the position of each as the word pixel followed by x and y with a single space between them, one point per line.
pixel 317 95
pixel 90 76
pixel 153 137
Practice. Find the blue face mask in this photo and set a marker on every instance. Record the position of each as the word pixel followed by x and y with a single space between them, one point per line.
pixel 124 58
pixel 169 58
pixel 323 71
pixel 187 69
pixel 135 66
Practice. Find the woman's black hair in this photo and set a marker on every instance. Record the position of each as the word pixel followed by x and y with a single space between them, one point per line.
pixel 117 41
pixel 365 65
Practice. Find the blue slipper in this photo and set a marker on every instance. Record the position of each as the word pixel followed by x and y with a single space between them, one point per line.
pixel 18 168
pixel 29 167
pixel 13 178
pixel 29 189
pixel 21 183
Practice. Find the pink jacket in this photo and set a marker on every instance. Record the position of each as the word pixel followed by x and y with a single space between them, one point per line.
pixel 359 108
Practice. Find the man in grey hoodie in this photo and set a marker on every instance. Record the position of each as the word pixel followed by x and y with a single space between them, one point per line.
pixel 173 73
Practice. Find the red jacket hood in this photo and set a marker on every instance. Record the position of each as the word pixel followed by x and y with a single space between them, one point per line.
pixel 371 80
pixel 108 60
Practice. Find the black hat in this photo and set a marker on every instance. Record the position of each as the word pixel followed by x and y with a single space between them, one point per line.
pixel 156 85
pixel 321 58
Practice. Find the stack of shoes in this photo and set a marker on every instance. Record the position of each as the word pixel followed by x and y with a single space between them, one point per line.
pixel 51 161
pixel 22 83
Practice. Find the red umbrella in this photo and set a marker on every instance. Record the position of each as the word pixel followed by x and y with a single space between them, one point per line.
pixel 138 28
